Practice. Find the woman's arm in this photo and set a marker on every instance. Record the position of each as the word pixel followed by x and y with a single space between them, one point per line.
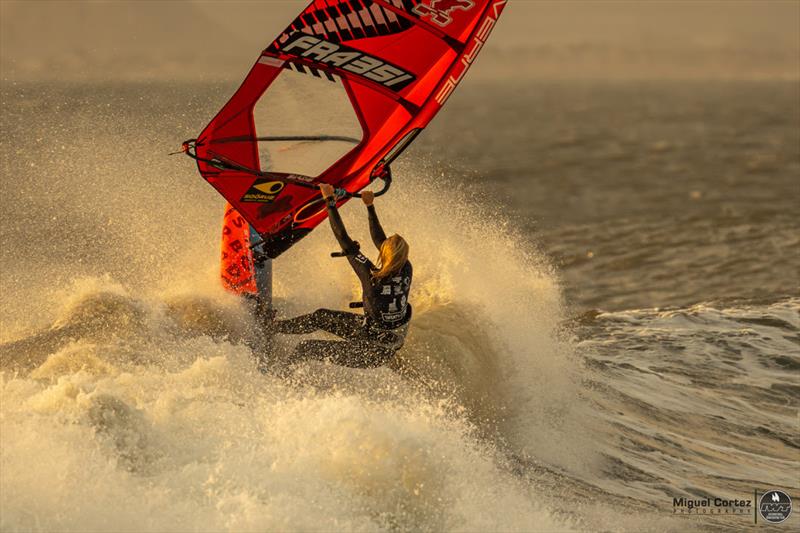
pixel 375 228
pixel 361 265
pixel 348 245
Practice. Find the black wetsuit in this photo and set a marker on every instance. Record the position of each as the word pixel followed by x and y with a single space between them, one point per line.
pixel 373 338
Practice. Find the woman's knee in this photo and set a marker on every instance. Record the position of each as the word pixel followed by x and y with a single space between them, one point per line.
pixel 367 355
pixel 323 313
pixel 381 357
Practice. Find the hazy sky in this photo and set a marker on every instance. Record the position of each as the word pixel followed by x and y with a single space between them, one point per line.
pixel 203 39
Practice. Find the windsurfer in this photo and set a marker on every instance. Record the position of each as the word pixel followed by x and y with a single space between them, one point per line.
pixel 371 339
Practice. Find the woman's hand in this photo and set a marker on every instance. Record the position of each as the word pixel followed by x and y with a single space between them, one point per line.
pixel 326 190
pixel 368 197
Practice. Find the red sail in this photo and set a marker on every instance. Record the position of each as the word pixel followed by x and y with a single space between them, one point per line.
pixel 334 99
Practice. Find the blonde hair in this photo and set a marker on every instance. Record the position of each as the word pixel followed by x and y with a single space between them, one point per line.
pixel 392 256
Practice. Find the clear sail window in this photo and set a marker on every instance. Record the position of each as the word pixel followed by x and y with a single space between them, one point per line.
pixel 305 122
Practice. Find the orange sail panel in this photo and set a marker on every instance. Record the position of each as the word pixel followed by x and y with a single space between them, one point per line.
pixel 237 269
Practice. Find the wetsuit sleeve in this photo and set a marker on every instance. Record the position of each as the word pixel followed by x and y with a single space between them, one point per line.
pixel 348 245
pixel 375 228
pixel 361 265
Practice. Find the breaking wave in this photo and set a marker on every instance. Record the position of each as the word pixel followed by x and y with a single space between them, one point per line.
pixel 141 408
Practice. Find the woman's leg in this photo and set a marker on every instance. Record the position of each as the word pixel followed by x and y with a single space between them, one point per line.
pixel 341 323
pixel 354 354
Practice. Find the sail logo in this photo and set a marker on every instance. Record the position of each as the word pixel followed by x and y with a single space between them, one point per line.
pixel 348 59
pixel 263 191
pixel 440 11
pixel 471 52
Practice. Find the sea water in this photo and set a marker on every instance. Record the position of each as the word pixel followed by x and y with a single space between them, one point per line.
pixel 606 319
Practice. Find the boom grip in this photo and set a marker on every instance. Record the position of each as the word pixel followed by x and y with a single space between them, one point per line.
pixel 387 182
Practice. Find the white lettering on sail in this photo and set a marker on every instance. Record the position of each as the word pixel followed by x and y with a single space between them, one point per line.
pixel 346 58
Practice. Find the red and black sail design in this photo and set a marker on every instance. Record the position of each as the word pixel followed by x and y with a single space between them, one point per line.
pixel 334 99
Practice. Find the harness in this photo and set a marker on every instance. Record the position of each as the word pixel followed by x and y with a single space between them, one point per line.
pixel 377 332
pixel 392 339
